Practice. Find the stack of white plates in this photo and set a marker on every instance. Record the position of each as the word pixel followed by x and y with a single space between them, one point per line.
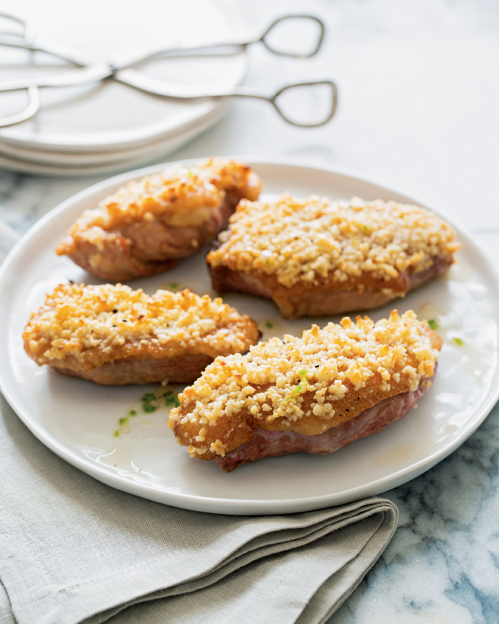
pixel 109 126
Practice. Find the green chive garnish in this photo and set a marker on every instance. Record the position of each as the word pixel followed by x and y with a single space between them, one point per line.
pixel 269 325
pixel 116 433
pixel 433 324
pixel 147 402
pixel 172 400
pixel 458 341
pixel 133 413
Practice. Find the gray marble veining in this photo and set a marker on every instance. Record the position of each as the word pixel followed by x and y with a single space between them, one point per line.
pixel 443 563
pixel 25 198
pixel 419 86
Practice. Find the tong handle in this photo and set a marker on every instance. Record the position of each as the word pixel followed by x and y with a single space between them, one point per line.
pixel 98 72
pixel 92 73
pixel 34 102
pixel 236 47
pixel 286 18
pixel 185 92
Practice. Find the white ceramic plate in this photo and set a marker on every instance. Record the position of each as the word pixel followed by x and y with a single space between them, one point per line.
pixel 77 419
pixel 111 116
pixel 78 163
pixel 72 165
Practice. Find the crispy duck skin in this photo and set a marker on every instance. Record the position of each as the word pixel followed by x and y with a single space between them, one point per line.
pixel 312 394
pixel 149 225
pixel 313 257
pixel 113 335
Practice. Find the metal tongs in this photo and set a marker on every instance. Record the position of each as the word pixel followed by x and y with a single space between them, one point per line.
pixel 126 74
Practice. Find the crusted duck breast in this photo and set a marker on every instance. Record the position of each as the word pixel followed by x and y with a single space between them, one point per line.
pixel 312 394
pixel 315 257
pixel 114 335
pixel 148 225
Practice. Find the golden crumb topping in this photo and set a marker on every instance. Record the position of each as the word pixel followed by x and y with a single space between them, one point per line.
pixel 313 239
pixel 306 384
pixel 98 324
pixel 180 197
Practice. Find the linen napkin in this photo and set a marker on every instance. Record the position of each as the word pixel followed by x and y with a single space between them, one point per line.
pixel 74 550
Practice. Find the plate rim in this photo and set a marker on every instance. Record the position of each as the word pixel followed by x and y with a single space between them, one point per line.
pixel 149 153
pixel 242 506
pixel 66 159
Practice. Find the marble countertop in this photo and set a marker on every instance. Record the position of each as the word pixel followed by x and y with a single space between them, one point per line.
pixel 419 87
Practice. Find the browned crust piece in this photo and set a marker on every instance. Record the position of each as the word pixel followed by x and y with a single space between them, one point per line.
pixel 328 296
pixel 113 335
pixel 147 230
pixel 389 369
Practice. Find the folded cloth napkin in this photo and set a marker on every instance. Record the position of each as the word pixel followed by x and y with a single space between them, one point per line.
pixel 74 550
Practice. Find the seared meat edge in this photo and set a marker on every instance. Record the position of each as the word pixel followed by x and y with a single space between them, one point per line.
pixel 327 298
pixel 265 443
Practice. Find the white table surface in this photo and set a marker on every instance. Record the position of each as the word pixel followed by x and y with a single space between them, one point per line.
pixel 419 111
